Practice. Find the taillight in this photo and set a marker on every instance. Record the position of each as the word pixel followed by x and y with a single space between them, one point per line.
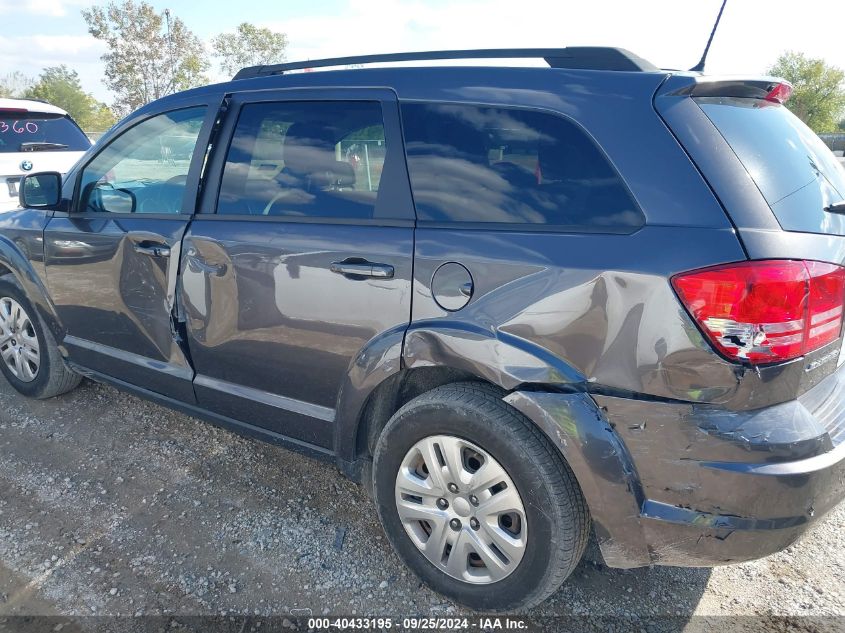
pixel 766 311
pixel 779 93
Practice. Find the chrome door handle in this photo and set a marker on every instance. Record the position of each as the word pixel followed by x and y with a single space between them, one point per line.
pixel 152 249
pixel 363 269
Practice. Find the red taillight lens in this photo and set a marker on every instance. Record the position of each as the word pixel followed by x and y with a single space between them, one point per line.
pixel 766 311
pixel 780 93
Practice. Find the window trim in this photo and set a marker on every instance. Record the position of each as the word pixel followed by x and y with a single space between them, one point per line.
pixel 197 159
pixel 394 193
pixel 525 226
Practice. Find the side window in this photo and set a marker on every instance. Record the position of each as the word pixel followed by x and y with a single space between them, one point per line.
pixel 145 169
pixel 507 165
pixel 319 159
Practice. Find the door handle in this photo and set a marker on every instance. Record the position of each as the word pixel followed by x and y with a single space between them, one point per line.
pixel 363 269
pixel 152 249
pixel 197 266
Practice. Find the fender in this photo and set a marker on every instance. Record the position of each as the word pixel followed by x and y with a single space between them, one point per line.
pixel 16 229
pixel 572 421
pixel 498 357
pixel 502 359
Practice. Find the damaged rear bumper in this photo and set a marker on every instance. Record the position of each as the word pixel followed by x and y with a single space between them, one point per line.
pixel 691 485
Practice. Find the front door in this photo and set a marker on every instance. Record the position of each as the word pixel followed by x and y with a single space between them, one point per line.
pixel 303 258
pixel 111 260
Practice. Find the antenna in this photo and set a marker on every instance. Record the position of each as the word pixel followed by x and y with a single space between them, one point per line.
pixel 699 67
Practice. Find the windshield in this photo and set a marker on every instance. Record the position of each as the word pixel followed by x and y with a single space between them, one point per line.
pixel 38 132
pixel 795 171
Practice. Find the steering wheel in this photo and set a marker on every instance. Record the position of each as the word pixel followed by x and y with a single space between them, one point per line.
pixel 165 197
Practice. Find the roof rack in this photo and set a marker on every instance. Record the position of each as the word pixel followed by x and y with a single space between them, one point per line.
pixel 580 57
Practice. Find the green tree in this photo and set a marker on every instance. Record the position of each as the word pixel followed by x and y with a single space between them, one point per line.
pixel 150 55
pixel 249 45
pixel 14 84
pixel 59 85
pixel 818 97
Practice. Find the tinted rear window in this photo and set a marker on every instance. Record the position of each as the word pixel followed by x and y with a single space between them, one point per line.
pixel 795 171
pixel 30 131
pixel 511 166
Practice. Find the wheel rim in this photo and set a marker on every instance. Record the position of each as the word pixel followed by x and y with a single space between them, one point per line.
pixel 461 509
pixel 19 348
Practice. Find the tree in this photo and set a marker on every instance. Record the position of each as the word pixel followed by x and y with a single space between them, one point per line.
pixel 60 86
pixel 14 84
pixel 249 45
pixel 145 60
pixel 818 97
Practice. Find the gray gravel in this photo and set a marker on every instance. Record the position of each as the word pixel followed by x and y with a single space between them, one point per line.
pixel 113 505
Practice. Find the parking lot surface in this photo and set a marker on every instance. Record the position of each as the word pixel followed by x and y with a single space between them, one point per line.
pixel 111 505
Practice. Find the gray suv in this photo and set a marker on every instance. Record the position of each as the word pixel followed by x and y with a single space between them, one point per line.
pixel 521 305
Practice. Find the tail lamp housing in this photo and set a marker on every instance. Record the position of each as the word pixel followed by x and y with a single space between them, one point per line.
pixel 766 311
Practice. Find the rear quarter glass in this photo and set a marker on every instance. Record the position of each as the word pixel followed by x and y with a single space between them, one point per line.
pixel 794 170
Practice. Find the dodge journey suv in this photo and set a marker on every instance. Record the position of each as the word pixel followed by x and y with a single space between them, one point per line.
pixel 522 306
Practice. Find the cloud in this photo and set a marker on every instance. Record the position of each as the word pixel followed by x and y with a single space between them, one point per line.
pixel 52 8
pixel 30 54
pixel 669 33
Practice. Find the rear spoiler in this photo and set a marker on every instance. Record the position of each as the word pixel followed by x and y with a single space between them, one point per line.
pixel 768 88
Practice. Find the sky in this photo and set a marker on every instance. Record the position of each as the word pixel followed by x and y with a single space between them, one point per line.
pixel 670 33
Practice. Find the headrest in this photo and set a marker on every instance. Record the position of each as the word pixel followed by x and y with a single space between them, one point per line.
pixel 574 160
pixel 308 148
pixel 339 175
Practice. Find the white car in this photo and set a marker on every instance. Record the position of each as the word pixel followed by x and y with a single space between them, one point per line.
pixel 35 136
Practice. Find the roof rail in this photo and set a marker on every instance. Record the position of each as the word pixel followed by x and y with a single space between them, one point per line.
pixel 580 57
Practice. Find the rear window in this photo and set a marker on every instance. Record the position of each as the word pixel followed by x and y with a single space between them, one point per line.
pixel 33 132
pixel 795 171
pixel 511 166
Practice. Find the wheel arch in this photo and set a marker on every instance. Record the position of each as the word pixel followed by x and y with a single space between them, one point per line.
pixel 400 364
pixel 550 395
pixel 15 264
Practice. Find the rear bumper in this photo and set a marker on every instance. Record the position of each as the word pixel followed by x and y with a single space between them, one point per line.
pixel 786 498
pixel 687 485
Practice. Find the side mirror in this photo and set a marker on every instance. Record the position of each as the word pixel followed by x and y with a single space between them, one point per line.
pixel 102 197
pixel 41 191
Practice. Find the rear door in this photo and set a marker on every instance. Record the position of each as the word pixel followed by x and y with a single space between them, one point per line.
pixel 301 257
pixel 112 259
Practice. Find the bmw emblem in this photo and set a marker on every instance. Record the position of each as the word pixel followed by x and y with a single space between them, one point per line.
pixel 26 165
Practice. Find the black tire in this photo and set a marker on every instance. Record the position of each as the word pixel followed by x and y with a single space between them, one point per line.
pixel 556 513
pixel 54 377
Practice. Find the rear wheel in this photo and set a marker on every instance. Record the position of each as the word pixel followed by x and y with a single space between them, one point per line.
pixel 29 357
pixel 476 500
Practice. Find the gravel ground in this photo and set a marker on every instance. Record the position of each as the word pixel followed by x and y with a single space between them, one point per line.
pixel 111 505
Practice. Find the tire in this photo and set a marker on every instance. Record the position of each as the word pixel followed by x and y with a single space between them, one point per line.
pixel 52 376
pixel 556 519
